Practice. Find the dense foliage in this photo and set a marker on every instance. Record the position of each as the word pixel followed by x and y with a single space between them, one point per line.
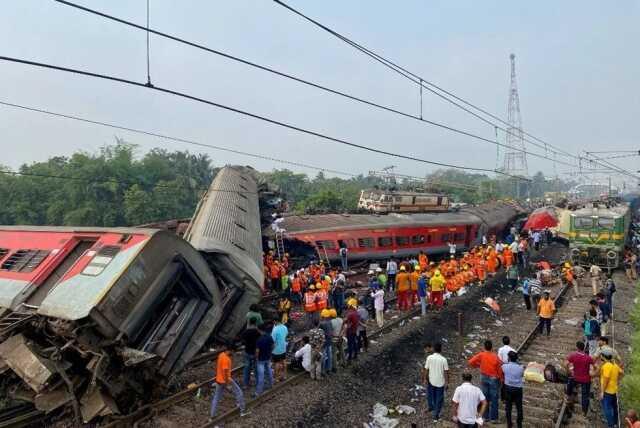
pixel 116 188
pixel 111 188
pixel 630 391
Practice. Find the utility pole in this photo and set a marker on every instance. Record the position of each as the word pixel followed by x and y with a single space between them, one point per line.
pixel 515 159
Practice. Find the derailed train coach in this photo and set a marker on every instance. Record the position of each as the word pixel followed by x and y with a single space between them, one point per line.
pixel 92 317
pixel 97 319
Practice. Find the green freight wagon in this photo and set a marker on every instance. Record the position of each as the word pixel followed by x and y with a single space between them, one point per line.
pixel 598 235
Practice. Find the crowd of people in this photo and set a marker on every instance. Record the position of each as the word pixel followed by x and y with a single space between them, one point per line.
pixel 335 324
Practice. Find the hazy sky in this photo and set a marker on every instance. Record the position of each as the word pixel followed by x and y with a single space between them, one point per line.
pixel 577 64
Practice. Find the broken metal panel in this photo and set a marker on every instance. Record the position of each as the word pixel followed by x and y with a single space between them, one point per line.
pixel 97 403
pixel 73 298
pixel 50 400
pixel 10 290
pixel 19 354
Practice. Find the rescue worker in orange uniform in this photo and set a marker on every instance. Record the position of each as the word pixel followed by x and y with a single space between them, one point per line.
pixel 310 306
pixel 423 261
pixel 508 257
pixel 437 284
pixel 322 298
pixel 296 288
pixel 275 276
pixel 415 276
pixel 567 271
pixel 492 262
pixel 481 270
pixel 403 286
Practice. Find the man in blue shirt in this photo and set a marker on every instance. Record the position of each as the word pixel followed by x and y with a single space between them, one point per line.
pixel 279 336
pixel 263 366
pixel 422 293
pixel 525 293
pixel 513 385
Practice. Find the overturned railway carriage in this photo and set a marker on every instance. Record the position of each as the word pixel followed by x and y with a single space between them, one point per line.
pixel 381 236
pixel 226 230
pixel 92 317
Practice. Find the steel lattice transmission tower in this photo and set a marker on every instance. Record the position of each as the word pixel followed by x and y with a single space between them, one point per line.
pixel 515 159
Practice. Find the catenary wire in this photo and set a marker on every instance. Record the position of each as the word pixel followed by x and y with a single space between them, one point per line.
pixel 180 140
pixel 420 80
pixel 225 149
pixel 305 82
pixel 249 114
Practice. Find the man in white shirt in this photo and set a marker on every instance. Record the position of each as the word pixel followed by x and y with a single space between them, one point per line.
pixel 392 270
pixel 466 400
pixel 452 248
pixel 499 247
pixel 305 354
pixel 595 273
pixel 503 352
pixel 378 305
pixel 436 376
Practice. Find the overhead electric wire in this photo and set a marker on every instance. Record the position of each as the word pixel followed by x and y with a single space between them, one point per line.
pixel 301 80
pixel 421 81
pixel 248 114
pixel 225 149
pixel 177 139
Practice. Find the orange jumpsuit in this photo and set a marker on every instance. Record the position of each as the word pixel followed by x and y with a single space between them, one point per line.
pixel 423 261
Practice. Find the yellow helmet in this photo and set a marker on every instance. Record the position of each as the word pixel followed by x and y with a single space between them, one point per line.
pixel 312 287
pixel 352 302
pixel 567 264
pixel 402 268
pixel 417 268
pixel 437 272
pixel 332 313
pixel 325 313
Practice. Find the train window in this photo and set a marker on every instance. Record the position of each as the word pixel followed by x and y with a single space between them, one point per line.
pixel 101 260
pixel 346 243
pixel 418 239
pixel 24 260
pixel 445 237
pixel 366 242
pixel 583 222
pixel 458 237
pixel 402 241
pixel 385 241
pixel 3 252
pixel 327 245
pixel 428 239
pixel 606 223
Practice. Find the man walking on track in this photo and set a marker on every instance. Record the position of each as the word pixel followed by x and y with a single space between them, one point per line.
pixel 546 309
pixel 513 388
pixel 490 377
pixel 436 376
pixel 469 403
pixel 224 379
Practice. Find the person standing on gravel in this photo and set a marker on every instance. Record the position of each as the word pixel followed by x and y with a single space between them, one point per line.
pixel 513 388
pixel 423 293
pixel 327 349
pixel 249 338
pixel 264 372
pixel 610 374
pixel 378 305
pixel 503 352
pixel 436 377
pixel 350 328
pixel 392 270
pixel 279 335
pixel 546 310
pixel 526 293
pixel 596 277
pixel 468 403
pixel 224 380
pixel 363 341
pixel 579 364
pixel 490 377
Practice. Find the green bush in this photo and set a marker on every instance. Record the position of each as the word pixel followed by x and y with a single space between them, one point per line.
pixel 630 389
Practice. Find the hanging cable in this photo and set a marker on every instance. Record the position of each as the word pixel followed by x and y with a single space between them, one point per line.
pixel 249 114
pixel 148 60
pixel 176 139
pixel 302 81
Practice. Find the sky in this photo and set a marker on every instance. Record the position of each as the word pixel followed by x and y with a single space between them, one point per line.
pixel 576 64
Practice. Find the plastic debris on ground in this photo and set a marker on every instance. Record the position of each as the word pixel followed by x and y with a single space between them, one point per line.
pixel 492 304
pixel 416 318
pixel 380 419
pixel 534 372
pixel 572 321
pixel 405 410
pixel 499 323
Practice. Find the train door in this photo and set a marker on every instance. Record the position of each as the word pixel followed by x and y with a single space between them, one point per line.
pixel 467 236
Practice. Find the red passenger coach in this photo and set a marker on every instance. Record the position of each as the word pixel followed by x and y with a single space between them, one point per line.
pixel 381 236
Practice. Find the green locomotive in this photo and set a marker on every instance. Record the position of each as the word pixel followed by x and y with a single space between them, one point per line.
pixel 598 235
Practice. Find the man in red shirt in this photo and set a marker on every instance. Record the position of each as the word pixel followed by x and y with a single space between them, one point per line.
pixel 350 327
pixel 579 364
pixel 490 378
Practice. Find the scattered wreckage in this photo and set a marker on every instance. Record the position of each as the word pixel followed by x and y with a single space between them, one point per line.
pixel 97 319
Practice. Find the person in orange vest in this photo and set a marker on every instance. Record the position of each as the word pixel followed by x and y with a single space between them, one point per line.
pixel 275 276
pixel 508 257
pixel 453 263
pixel 296 288
pixel 415 276
pixel 423 261
pixel 322 298
pixel 492 262
pixel 403 286
pixel 481 270
pixel 567 270
pixel 310 306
